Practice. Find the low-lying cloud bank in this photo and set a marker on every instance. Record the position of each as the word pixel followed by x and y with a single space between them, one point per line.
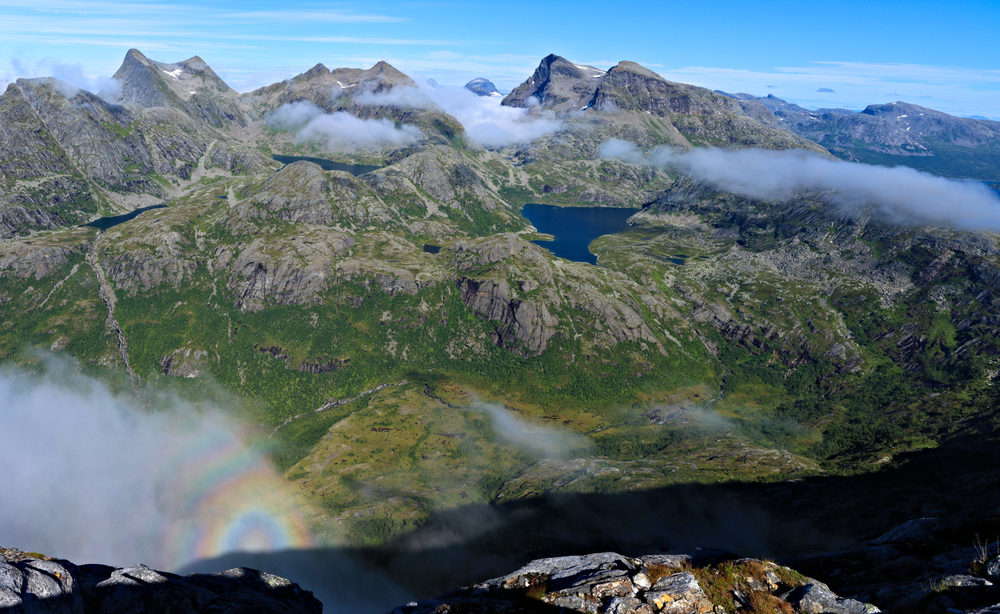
pixel 903 193
pixel 95 476
pixel 485 121
pixel 339 130
pixel 537 440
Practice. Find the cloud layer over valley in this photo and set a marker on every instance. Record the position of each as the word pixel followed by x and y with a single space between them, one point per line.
pixel 903 194
pixel 339 130
pixel 485 121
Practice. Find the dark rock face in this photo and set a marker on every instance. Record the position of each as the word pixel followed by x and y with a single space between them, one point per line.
pixel 29 584
pixel 482 87
pixel 324 364
pixel 630 85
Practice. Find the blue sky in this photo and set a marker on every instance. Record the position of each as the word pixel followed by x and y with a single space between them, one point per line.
pixel 943 56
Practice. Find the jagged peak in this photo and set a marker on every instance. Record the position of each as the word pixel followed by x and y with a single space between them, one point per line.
pixel 553 63
pixel 316 72
pixel 136 55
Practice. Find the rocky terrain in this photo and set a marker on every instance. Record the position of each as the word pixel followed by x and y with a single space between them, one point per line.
pixel 31 582
pixel 897 133
pixel 915 567
pixel 707 581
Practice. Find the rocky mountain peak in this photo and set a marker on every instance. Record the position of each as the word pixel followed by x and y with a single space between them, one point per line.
pixel 557 83
pixel 635 68
pixel 382 77
pixel 147 83
pixel 482 86
pixel 134 55
pixel 190 86
pixel 316 71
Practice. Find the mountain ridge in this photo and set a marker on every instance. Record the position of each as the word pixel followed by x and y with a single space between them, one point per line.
pixel 892 133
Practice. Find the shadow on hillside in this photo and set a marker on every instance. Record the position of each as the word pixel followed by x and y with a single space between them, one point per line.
pixel 779 520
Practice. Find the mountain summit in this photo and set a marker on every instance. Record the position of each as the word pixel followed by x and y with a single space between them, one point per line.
pixel 190 85
pixel 557 83
pixel 482 87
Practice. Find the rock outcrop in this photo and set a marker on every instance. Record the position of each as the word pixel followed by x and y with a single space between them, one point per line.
pixel 31 583
pixel 522 326
pixel 609 583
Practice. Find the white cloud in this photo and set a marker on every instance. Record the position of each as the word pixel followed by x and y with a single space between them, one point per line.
pixel 68 79
pixel 340 131
pixel 306 16
pixel 536 439
pixel 902 193
pixel 485 120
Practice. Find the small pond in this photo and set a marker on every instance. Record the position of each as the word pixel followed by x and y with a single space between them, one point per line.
pixel 574 228
pixel 327 165
pixel 108 222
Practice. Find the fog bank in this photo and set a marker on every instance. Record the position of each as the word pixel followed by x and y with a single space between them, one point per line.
pixel 340 130
pixel 92 476
pixel 904 194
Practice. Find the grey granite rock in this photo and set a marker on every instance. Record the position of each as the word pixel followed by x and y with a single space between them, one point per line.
pixel 30 585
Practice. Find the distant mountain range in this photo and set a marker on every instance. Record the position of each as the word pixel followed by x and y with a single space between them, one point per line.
pixel 891 134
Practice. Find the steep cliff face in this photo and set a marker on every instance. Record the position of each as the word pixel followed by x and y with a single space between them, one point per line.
pixel 522 326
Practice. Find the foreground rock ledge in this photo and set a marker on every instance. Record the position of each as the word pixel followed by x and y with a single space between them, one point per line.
pixel 708 582
pixel 32 583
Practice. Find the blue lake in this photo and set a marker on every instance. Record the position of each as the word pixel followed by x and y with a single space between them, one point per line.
pixel 327 165
pixel 574 228
pixel 107 222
